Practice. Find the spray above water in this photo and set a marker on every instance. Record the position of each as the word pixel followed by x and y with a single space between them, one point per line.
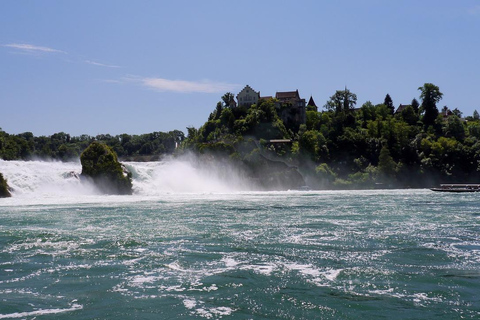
pixel 186 174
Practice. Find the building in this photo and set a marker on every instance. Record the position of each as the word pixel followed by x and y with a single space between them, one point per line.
pixel 247 96
pixel 291 108
pixel 311 104
pixel 402 107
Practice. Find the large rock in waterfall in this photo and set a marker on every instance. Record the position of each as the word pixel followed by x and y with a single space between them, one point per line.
pixel 4 189
pixel 101 165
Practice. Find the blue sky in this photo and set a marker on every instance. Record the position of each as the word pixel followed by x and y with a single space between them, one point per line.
pixel 92 67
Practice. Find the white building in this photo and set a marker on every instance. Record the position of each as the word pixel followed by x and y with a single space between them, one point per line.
pixel 248 96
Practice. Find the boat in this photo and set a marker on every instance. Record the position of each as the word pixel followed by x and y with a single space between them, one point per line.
pixel 458 187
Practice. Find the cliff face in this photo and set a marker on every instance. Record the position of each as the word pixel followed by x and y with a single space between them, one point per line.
pixel 101 165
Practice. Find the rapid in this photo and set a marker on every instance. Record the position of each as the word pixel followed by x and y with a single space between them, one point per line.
pixel 192 243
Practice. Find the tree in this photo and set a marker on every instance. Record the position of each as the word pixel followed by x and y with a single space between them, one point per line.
pixel 386 165
pixel 100 163
pixel 445 111
pixel 409 116
pixel 415 105
pixel 430 96
pixel 453 128
pixel 457 112
pixel 342 100
pixel 389 103
pixel 476 116
pixel 227 99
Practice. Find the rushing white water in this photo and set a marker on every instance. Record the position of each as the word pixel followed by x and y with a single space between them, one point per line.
pixel 34 178
pixel 188 245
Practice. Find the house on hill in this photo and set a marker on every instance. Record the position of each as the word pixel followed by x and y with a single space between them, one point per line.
pixel 248 96
pixel 291 108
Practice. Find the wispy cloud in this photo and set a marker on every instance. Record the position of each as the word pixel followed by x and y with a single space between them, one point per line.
pixel 32 48
pixel 184 86
pixel 101 64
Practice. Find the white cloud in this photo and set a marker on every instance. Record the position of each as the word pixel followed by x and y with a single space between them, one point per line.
pixel 32 48
pixel 101 64
pixel 183 86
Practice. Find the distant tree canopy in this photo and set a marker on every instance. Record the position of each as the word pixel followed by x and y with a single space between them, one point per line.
pixel 64 147
pixel 339 147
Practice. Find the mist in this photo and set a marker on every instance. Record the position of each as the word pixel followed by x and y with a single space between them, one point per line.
pixel 188 174
pixel 182 174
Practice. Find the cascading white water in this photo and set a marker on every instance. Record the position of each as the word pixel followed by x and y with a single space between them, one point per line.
pixel 149 178
pixel 48 178
pixel 182 176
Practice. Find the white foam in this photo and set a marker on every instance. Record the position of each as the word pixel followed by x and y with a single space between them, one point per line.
pixel 229 262
pixel 40 312
pixel 189 303
pixel 332 274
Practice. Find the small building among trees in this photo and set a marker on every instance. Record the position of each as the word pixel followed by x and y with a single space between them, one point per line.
pixel 248 96
pixel 291 108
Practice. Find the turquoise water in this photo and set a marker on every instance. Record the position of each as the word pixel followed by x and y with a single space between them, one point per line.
pixel 396 254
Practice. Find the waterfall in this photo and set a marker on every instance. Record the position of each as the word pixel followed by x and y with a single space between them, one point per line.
pixel 149 178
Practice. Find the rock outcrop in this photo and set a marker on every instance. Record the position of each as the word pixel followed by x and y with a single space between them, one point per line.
pixel 4 189
pixel 101 165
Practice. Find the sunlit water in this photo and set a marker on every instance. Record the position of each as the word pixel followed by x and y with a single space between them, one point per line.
pixel 173 251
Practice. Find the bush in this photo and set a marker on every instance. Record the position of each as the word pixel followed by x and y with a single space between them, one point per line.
pixel 100 163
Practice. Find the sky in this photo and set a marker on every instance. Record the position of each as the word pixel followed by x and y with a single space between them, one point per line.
pixel 113 67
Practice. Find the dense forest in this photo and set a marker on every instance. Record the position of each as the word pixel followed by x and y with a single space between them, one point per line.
pixel 61 146
pixel 342 146
pixel 345 146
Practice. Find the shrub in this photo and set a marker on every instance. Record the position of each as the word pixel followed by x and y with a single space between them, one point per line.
pixel 100 163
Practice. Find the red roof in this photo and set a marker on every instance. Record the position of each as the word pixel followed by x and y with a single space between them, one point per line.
pixel 287 95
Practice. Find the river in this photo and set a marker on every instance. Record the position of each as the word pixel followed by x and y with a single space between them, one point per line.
pixel 192 245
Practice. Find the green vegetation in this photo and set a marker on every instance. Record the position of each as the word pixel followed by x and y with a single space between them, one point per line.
pixel 61 146
pixel 344 147
pixel 4 190
pixel 100 163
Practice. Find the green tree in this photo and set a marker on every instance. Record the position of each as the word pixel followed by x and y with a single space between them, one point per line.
pixel 228 99
pixel 386 165
pixel 453 128
pixel 476 116
pixel 389 104
pixel 430 96
pixel 100 163
pixel 415 105
pixel 342 100
pixel 313 142
pixel 409 116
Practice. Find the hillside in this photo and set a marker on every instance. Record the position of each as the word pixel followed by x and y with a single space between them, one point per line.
pixel 344 146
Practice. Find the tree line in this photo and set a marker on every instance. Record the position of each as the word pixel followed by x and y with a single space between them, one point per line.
pixel 62 146
pixel 341 146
